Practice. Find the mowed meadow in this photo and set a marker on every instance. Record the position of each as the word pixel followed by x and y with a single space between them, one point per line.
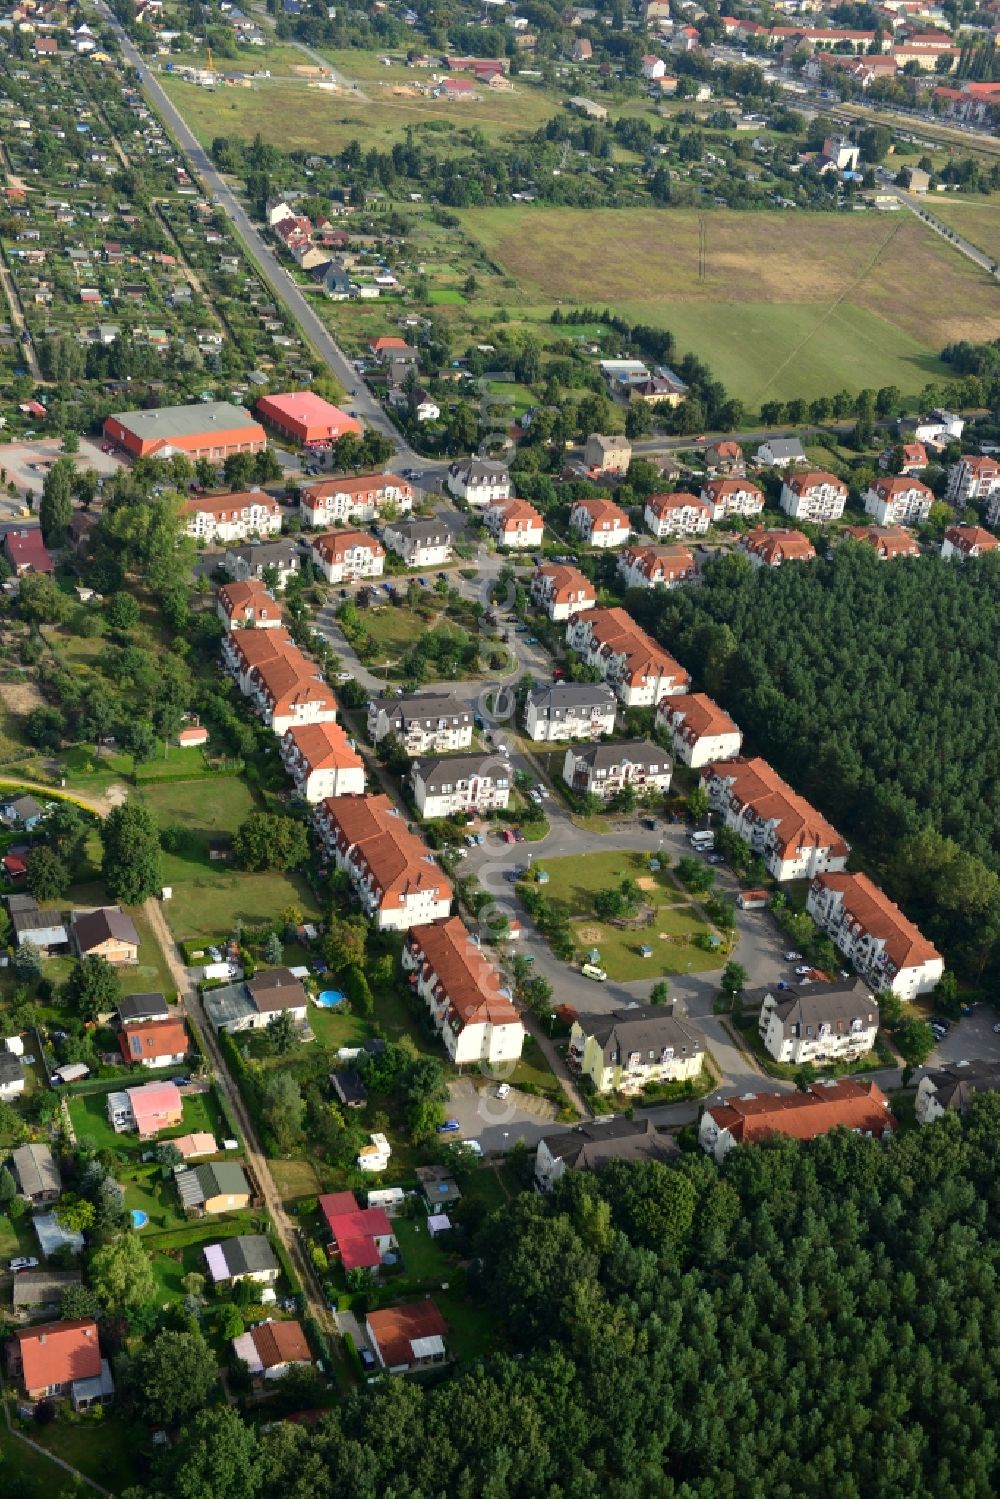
pixel 777 304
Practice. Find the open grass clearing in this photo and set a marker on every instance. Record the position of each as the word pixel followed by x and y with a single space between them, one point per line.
pixel 978 219
pixel 786 305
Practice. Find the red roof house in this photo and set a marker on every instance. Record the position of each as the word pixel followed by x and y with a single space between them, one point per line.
pixel 360 1237
pixel 26 552
pixel 50 1358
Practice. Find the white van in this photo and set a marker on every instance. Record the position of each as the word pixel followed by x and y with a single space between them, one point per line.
pixel 701 842
pixel 591 971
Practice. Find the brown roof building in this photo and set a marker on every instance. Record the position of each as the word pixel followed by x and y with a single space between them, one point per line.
pixel 772 548
pixel 396 878
pixel 468 1001
pixel 844 1104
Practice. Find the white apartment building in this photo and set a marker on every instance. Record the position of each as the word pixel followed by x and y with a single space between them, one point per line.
pixel 514 524
pixel 972 478
pixel 322 762
pixel 393 873
pixel 813 495
pixel 346 556
pixel 818 1023
pixel 656 566
pixel 883 944
pixel 562 591
pixel 604 770
pixel 732 497
pixel 898 501
pixel 600 522
pixel 466 997
pixel 479 482
pixel 569 710
pixel 232 517
pixel 420 543
pixel 426 722
pixel 460 783
pixel 677 515
pixel 628 659
pixel 700 732
pixel 362 497
pixel 793 839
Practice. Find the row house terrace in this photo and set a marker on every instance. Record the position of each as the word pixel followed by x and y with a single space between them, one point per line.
pixel 362 497
pixel 656 567
pixel 601 522
pixel 322 762
pixel 898 500
pixel 792 838
pixel 678 514
pixel 883 944
pixel 813 495
pixel 248 606
pixel 889 541
pixel 628 659
pixel 232 517
pixel 700 731
pixel 345 556
pixel 562 591
pixel 973 478
pixel 284 686
pixel 732 497
pixel 467 1000
pixel 392 871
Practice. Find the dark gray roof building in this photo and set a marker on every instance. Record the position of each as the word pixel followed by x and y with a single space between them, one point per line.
pixel 623 751
pixel 641 1028
pixel 449 770
pixel 955 1087
pixel 838 1005
pixel 588 1147
pixel 276 989
pixel 248 1254
pixel 561 700
pixel 349 1088
pixel 106 924
pixel 133 1008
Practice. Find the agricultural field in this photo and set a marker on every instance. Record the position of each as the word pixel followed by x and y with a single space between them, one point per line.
pixel 977 219
pixel 677 922
pixel 838 303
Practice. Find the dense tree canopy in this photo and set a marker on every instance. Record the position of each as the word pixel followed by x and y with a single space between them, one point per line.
pixel 810 1319
pixel 875 690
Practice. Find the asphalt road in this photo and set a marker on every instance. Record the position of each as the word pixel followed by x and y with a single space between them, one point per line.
pixel 362 402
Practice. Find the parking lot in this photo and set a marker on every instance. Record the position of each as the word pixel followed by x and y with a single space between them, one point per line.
pixel 970 1039
pixel 498 1123
pixel 26 463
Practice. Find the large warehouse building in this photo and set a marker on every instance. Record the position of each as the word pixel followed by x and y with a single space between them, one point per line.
pixel 306 418
pixel 208 429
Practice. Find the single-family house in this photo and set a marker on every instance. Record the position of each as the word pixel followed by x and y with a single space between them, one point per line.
pixel 818 1022
pixel 360 1238
pixel 271 1349
pixel 393 873
pixel 26 552
pixel 107 932
pixel 348 1088
pixel 22 812
pixel 606 770
pixel 60 1360
pixel 514 524
pixel 215 1187
pixel 243 1257
pixel 780 452
pixel 725 457
pixel 596 1143
pixel 793 839
pixel 40 1292
pixel 425 722
pixel 11 1076
pixel 346 556
pixel 600 522
pixel 700 731
pixel 569 710
pixel 813 495
pixel 631 1048
pixel 883 944
pixel 147 1110
pixel 561 590
pixel 449 784
pixel 801 1115
pixel 656 566
pixel 154 1043
pixel 135 1009
pixel 467 998
pixel 951 1089
pixel 678 514
pixel 897 500
pixel 322 761
pixel 409 1337
pixel 36 1173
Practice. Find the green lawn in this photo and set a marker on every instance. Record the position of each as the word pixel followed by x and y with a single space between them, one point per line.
pixel 424 1258
pixel 88 1112
pixel 208 895
pixel 573 882
pixel 100 1444
pixel 147 1189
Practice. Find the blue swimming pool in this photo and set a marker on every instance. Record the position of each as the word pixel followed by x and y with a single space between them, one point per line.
pixel 139 1218
pixel 329 999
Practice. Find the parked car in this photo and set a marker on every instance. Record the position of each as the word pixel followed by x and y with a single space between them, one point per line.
pixel 503 1090
pixel 508 836
pixel 24 1262
pixel 792 957
pixel 449 1127
pixel 518 836
pixel 368 1360
pixel 542 790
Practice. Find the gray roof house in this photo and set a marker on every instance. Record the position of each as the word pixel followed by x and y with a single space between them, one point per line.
pixel 135 1008
pixel 605 769
pixel 570 710
pixel 41 1290
pixel 250 1005
pixel 105 925
pixel 424 721
pixel 43 929
pixel 635 1046
pixel 37 1173
pixel 349 1088
pixel 590 1146
pixel 24 811
pixel 245 1257
pixel 11 1076
pixel 216 1187
pixel 252 560
pixel 950 1090
pixel 819 1022
pixel 778 452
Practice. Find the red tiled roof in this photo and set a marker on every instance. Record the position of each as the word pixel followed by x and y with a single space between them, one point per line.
pixel 566 582
pixel 675 561
pixel 604 514
pixel 812 478
pixel 323 746
pixel 59 1352
pixel 280 1343
pixel 888 488
pixel 396 1327
pixel 754 784
pixel 237 598
pixel 783 545
pixel 718 489
pixel 876 914
pixel 969 538
pixel 154 1038
pixel 697 716
pixel 357 484
pixel 803 1116
pixel 396 859
pixel 472 985
pixel 231 504
pixel 334 546
pixel 888 541
pixel 662 504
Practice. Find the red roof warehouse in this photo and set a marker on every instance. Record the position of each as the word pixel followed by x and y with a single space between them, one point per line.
pixel 208 429
pixel 306 417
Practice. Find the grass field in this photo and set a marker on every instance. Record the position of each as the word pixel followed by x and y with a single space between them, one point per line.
pixel 88 1112
pixel 209 894
pixel 575 881
pixel 978 219
pixel 784 305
